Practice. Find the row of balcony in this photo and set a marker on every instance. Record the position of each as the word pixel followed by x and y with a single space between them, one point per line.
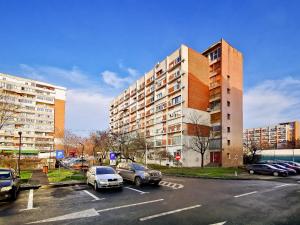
pixel 150 81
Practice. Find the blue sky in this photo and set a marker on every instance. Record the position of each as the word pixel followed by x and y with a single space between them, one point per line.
pixel 96 48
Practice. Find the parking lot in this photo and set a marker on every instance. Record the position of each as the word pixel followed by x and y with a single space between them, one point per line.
pixel 175 201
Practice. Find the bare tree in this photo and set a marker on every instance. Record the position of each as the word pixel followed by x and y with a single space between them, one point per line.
pixel 201 135
pixel 129 146
pixel 8 109
pixel 70 141
pixel 251 147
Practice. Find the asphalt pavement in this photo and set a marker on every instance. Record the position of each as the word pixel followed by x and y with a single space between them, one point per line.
pixel 184 201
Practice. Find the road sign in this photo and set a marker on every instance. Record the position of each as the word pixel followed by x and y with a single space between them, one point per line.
pixel 178 157
pixel 112 156
pixel 60 154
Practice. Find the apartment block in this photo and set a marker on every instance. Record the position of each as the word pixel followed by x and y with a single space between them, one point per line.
pixel 279 136
pixel 162 103
pixel 40 115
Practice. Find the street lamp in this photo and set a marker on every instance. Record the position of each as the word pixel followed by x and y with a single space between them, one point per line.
pixel 20 143
pixel 82 155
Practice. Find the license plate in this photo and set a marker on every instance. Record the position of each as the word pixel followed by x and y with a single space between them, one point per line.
pixel 113 183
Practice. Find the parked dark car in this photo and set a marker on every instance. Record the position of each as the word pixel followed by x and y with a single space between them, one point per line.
pixel 266 169
pixel 9 184
pixel 297 168
pixel 290 171
pixel 138 173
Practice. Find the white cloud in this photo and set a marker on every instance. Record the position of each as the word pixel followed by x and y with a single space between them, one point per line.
pixel 132 72
pixel 271 102
pixel 46 73
pixel 112 79
pixel 87 110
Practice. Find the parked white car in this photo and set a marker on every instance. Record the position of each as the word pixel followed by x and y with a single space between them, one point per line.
pixel 103 177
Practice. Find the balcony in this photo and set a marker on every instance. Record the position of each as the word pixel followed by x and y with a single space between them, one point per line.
pixel 150 81
pixel 174 103
pixel 141 96
pixel 213 97
pixel 174 76
pixel 141 87
pixel 175 88
pixel 161 107
pixel 127 96
pixel 132 119
pixel 159 73
pixel 149 91
pixel 173 64
pixel 150 101
pixel 174 128
pixel 149 112
pixel 214 84
pixel 161 84
pixel 133 92
pixel 133 109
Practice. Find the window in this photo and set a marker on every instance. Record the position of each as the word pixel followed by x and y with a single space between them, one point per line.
pixel 228 156
pixel 228 103
pixel 228 90
pixel 158 96
pixel 215 54
pixel 228 129
pixel 228 116
pixel 176 100
pixel 228 142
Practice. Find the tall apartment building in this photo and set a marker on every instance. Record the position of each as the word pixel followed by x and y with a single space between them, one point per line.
pixel 279 136
pixel 40 115
pixel 187 83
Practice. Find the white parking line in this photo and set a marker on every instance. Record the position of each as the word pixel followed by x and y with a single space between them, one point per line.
pixel 283 185
pixel 168 213
pixel 133 189
pixel 249 193
pixel 92 195
pixel 130 205
pixel 30 201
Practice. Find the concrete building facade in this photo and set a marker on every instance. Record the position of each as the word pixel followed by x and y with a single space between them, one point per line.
pixel 39 115
pixel 186 84
pixel 279 136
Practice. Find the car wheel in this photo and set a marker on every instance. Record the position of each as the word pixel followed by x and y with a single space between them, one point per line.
pixel 96 186
pixel 14 194
pixel 138 181
pixel 251 171
pixel 275 174
pixel 156 183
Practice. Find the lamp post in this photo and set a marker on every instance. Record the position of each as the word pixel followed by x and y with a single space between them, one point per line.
pixel 20 143
pixel 82 155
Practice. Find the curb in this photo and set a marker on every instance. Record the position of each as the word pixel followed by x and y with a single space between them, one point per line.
pixel 57 185
pixel 219 178
pixel 29 186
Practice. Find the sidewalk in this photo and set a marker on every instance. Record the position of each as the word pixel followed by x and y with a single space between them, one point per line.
pixel 38 178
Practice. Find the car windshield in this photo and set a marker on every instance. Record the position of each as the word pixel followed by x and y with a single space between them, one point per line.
pixel 138 166
pixel 105 170
pixel 4 174
pixel 273 167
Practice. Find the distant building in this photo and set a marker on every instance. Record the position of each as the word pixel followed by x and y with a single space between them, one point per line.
pixel 40 115
pixel 279 136
pixel 158 104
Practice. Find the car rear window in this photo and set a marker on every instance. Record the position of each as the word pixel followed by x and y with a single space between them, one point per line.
pixel 105 170
pixel 4 174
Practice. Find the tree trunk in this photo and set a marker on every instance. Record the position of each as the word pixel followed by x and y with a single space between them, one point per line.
pixel 202 160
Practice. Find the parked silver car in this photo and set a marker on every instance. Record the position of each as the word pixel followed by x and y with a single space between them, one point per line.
pixel 103 177
pixel 138 173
